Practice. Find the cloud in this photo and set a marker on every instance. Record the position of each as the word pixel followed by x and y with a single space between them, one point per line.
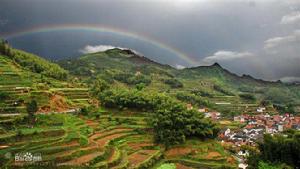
pixel 98 48
pixel 101 48
pixel 177 66
pixel 226 55
pixel 290 79
pixel 291 18
pixel 274 45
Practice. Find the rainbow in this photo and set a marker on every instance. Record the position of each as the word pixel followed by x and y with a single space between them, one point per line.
pixel 99 28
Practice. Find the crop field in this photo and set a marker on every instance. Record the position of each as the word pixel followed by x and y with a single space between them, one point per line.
pixel 111 140
pixel 20 85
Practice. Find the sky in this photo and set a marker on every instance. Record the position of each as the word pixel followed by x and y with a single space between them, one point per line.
pixel 256 37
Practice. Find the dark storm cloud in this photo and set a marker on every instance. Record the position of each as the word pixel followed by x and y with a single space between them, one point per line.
pixel 205 30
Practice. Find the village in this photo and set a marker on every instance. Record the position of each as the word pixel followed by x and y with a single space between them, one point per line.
pixel 254 126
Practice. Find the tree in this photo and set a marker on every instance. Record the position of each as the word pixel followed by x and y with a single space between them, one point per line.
pixel 140 86
pixel 3 96
pixel 278 149
pixel 31 108
pixel 99 86
pixel 172 122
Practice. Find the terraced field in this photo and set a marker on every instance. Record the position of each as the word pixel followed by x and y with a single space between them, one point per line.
pixel 113 140
pixel 20 85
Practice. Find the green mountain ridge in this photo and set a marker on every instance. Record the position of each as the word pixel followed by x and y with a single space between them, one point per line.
pixel 124 67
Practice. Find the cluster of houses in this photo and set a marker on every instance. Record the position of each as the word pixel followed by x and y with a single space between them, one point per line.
pixel 254 126
pixel 257 125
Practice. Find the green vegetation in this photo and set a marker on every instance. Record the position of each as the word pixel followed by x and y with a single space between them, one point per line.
pixel 32 62
pixel 167 166
pixel 31 108
pixel 201 86
pixel 278 149
pixel 174 83
pixel 172 123
pixel 248 96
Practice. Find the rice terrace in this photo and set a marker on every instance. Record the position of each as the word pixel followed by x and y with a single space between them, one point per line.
pixel 153 84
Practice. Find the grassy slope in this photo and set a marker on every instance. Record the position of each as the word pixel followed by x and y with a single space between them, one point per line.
pixel 21 85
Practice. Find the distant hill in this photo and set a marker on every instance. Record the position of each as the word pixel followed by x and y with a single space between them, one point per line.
pixel 210 84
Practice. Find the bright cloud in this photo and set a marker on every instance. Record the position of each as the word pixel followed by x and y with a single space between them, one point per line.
pixel 291 18
pixel 226 55
pixel 290 79
pixel 273 45
pixel 179 66
pixel 98 48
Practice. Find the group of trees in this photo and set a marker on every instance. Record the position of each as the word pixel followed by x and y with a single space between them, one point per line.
pixel 172 122
pixel 4 48
pixel 193 99
pixel 248 96
pixel 3 96
pixel 278 149
pixel 201 93
pixel 173 83
pixel 220 89
pixel 32 62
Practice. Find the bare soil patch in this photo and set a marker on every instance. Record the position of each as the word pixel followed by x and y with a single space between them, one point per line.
pixel 91 123
pixel 139 157
pixel 137 146
pixel 212 155
pixel 178 151
pixel 110 158
pixel 181 166
pixel 83 159
pixel 230 160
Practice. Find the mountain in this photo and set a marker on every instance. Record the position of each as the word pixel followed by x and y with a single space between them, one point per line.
pixel 211 84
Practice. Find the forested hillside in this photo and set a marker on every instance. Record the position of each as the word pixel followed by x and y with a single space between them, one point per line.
pixel 203 86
